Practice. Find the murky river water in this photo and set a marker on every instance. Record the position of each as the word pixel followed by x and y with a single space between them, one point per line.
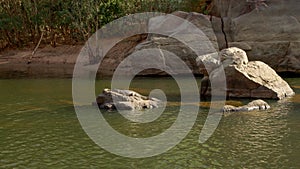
pixel 39 129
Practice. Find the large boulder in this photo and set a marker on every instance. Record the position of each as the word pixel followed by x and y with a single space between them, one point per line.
pixel 244 79
pixel 125 100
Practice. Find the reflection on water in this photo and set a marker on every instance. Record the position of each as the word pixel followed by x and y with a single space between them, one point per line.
pixel 39 129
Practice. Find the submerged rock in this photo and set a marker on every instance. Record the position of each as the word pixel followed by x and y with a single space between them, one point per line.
pixel 254 105
pixel 125 100
pixel 245 79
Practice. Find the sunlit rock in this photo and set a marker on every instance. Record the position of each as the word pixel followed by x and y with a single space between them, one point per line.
pixel 254 105
pixel 125 100
pixel 244 79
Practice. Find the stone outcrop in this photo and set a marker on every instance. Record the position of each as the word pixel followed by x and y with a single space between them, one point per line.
pixel 246 79
pixel 125 100
pixel 118 53
pixel 204 42
pixel 252 106
pixel 269 31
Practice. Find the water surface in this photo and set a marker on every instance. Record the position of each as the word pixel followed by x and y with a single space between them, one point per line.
pixel 39 129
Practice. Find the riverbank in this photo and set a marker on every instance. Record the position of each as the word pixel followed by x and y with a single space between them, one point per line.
pixel 59 61
pixel 62 54
pixel 47 62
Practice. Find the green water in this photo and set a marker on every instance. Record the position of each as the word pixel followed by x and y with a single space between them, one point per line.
pixel 39 129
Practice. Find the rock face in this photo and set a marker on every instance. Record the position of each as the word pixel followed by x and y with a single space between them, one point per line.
pixel 268 31
pixel 118 53
pixel 204 43
pixel 245 79
pixel 125 100
pixel 254 105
